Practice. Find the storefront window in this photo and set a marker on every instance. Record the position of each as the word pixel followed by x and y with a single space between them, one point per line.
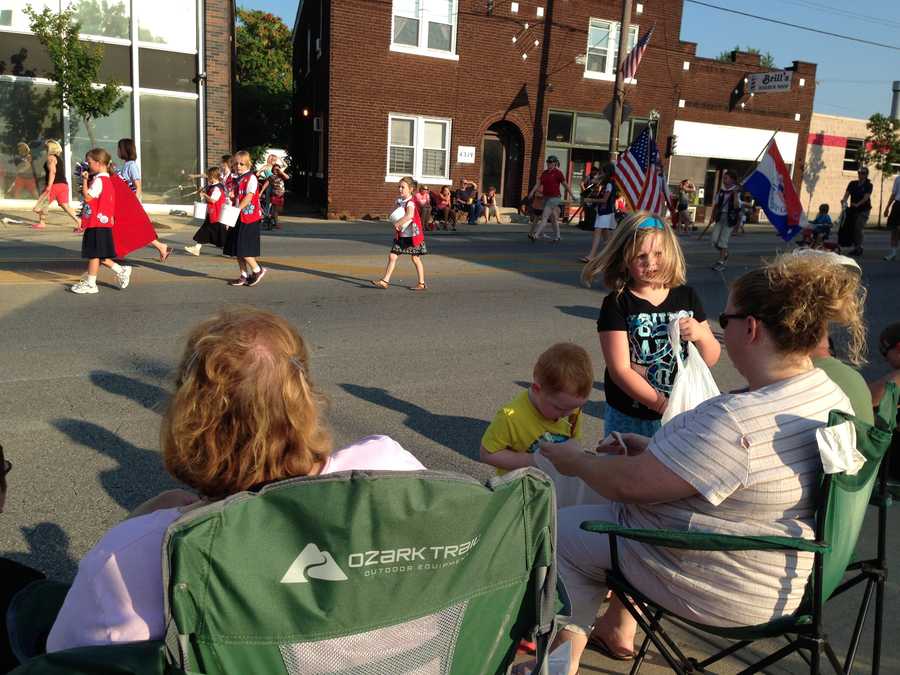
pixel 29 116
pixel 169 148
pixel 172 23
pixel 559 127
pixel 104 18
pixel 167 70
pixel 104 132
pixel 591 130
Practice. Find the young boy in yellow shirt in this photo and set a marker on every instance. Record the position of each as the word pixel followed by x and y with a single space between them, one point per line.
pixel 549 410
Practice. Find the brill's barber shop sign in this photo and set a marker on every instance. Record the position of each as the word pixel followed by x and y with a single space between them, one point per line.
pixel 779 80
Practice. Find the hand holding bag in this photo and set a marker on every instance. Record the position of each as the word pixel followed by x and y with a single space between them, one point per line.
pixel 694 382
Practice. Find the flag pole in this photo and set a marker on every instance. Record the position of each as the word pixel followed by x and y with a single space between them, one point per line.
pixel 747 175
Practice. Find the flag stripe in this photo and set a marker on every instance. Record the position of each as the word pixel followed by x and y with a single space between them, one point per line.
pixel 640 178
pixel 633 60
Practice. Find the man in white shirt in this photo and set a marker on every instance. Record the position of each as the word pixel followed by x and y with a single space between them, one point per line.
pixel 892 212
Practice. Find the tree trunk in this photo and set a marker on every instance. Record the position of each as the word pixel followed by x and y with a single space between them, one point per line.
pixel 90 131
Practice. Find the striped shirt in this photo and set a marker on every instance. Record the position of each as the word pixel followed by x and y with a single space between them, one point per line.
pixel 754 461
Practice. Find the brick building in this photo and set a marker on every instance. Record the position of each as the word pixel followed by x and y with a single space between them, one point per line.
pixel 173 59
pixel 832 159
pixel 451 89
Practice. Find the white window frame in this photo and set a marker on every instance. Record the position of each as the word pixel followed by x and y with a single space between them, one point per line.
pixel 419 148
pixel 609 75
pixel 422 48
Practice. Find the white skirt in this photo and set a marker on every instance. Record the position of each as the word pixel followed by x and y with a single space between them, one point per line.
pixel 605 221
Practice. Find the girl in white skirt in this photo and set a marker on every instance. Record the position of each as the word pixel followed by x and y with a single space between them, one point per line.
pixel 605 222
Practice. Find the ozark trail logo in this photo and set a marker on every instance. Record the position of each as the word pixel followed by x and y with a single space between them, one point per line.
pixel 315 564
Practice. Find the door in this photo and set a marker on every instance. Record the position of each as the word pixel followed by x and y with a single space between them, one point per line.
pixel 492 164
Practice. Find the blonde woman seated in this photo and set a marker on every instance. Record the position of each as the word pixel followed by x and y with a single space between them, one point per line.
pixel 245 412
pixel 745 463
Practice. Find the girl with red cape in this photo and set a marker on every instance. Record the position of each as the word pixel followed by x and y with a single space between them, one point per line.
pixel 115 224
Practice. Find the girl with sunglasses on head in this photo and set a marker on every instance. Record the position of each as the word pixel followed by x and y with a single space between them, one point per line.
pixel 644 268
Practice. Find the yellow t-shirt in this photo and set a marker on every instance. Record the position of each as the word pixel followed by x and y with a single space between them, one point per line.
pixel 519 426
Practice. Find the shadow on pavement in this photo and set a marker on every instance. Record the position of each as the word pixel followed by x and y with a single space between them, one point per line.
pixel 455 432
pixel 580 311
pixel 48 550
pixel 134 462
pixel 148 396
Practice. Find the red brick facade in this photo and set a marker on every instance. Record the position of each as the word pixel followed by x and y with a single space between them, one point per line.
pixel 219 44
pixel 490 82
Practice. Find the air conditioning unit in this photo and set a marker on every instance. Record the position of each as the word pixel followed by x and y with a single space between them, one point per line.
pixel 317 123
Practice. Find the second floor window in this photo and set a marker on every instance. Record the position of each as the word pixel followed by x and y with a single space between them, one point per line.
pixel 603 46
pixel 424 25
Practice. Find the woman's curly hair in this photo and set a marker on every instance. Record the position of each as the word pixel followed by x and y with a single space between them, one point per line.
pixel 245 410
pixel 796 298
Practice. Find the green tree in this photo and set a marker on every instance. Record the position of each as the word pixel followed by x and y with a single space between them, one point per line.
pixel 766 60
pixel 881 150
pixel 76 67
pixel 263 86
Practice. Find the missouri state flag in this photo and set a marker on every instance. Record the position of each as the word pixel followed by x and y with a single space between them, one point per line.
pixel 773 190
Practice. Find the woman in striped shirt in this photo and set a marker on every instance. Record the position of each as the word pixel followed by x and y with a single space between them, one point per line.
pixel 744 463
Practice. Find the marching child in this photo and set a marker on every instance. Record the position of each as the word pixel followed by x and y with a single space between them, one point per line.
pixel 211 231
pixel 242 240
pixel 644 268
pixel 409 239
pixel 549 410
pixel 97 244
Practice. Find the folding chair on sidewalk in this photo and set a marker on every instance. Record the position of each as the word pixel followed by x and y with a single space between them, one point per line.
pixel 842 506
pixel 357 573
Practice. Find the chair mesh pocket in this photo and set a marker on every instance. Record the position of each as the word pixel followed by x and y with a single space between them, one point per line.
pixel 423 646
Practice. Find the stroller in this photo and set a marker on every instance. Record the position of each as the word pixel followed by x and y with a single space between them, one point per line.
pixel 267 207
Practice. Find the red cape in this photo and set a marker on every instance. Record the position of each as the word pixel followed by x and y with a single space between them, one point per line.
pixel 132 228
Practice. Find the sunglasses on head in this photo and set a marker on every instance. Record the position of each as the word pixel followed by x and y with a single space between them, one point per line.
pixel 651 223
pixel 725 318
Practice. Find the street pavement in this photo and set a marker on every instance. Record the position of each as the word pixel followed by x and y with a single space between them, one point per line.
pixel 84 378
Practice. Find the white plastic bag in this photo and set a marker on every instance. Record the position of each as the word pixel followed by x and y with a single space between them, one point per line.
pixel 694 382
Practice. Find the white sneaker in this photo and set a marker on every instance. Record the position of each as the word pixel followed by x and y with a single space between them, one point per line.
pixel 84 288
pixel 193 250
pixel 891 255
pixel 125 277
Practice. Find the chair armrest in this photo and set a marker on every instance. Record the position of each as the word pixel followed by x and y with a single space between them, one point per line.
pixel 706 541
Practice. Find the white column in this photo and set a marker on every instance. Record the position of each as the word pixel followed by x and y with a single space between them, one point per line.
pixel 135 85
pixel 201 84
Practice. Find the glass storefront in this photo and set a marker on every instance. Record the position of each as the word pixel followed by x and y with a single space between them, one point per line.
pixel 29 117
pixel 165 97
pixel 168 148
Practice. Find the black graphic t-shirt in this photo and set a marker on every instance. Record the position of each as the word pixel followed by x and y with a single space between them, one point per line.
pixel 647 326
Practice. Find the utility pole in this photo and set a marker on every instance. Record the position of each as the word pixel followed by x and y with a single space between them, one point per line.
pixel 537 140
pixel 619 93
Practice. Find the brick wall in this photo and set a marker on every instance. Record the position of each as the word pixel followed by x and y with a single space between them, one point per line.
pixel 219 42
pixel 491 82
pixel 825 179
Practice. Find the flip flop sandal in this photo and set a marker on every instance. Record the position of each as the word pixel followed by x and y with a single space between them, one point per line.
pixel 419 287
pixel 603 648
pixel 380 283
pixel 165 256
pixel 584 259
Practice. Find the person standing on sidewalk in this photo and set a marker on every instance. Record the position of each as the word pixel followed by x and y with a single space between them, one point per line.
pixel 858 200
pixel 892 213
pixel 726 216
pixel 56 189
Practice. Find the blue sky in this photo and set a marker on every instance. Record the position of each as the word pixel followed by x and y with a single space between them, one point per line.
pixel 854 79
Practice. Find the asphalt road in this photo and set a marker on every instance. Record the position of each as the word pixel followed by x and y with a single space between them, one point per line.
pixel 83 378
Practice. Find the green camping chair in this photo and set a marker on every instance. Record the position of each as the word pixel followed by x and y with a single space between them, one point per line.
pixel 842 508
pixel 358 573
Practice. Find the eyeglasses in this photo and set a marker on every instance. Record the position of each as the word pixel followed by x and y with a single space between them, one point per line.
pixel 652 223
pixel 725 318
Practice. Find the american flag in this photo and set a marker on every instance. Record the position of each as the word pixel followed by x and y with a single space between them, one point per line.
pixel 640 178
pixel 633 60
